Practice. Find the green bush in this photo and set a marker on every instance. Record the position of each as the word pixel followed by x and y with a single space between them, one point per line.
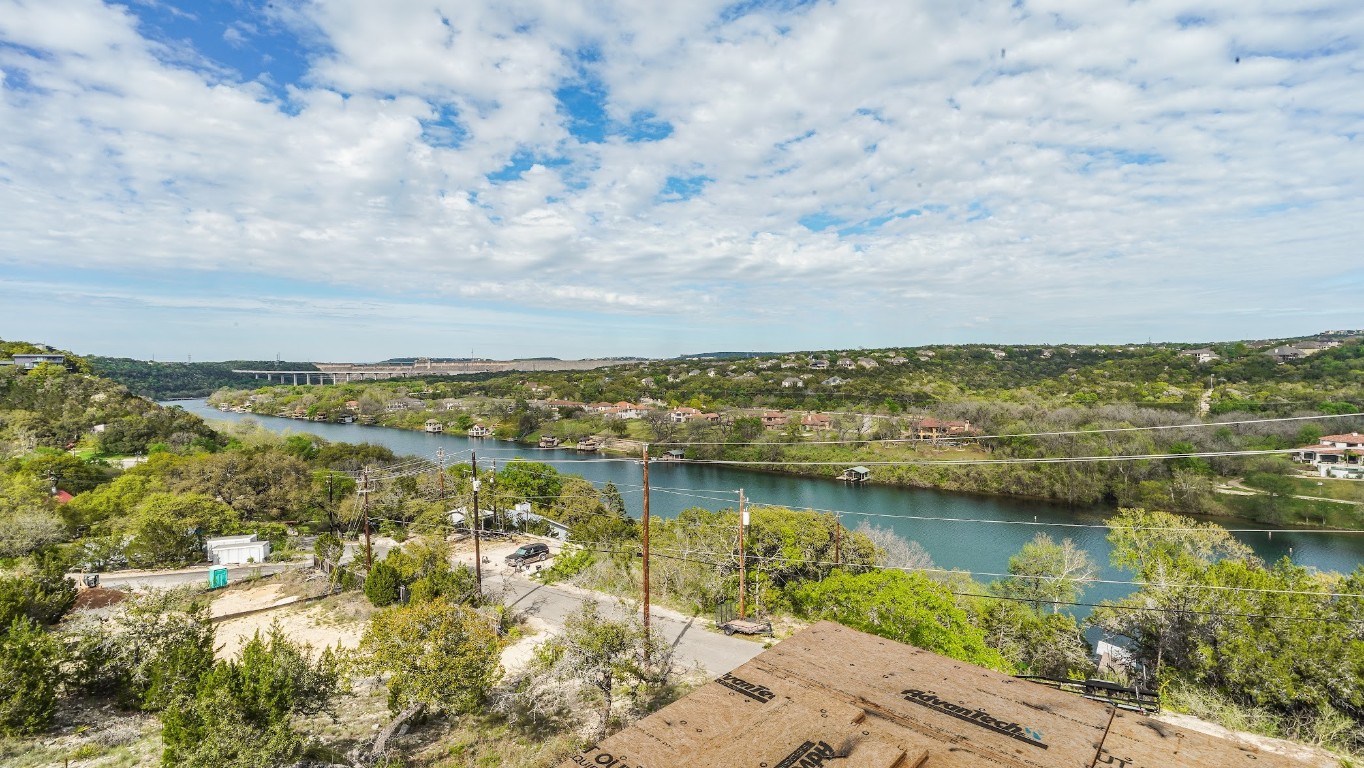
pixel 240 711
pixel 381 585
pixel 458 586
pixel 44 597
pixel 30 678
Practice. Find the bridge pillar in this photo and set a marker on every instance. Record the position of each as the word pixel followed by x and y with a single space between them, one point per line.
pixel 295 379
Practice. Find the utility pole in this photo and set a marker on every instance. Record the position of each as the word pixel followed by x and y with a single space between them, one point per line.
pixel 478 554
pixel 838 540
pixel 440 480
pixel 743 560
pixel 644 536
pixel 369 550
pixel 492 481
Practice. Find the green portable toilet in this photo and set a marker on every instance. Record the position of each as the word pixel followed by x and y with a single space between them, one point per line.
pixel 217 577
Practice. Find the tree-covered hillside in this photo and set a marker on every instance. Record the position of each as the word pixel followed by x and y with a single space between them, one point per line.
pixel 170 381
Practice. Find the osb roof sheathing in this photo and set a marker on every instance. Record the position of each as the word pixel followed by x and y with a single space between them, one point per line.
pixel 832 696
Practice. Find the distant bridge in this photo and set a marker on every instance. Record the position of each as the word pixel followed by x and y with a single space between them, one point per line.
pixel 337 373
pixel 341 375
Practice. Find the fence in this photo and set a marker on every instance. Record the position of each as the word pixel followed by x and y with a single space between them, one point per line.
pixel 329 568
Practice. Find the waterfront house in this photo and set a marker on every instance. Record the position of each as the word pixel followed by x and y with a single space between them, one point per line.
pixel 549 441
pixel 855 475
pixel 682 415
pixel 623 410
pixel 433 426
pixel 936 429
pixel 816 422
pixel 774 420
pixel 479 430
pixel 1347 450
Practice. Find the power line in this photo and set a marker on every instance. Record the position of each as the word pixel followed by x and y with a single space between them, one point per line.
pixel 1074 603
pixel 988 462
pixel 704 494
pixel 1195 425
pixel 931 518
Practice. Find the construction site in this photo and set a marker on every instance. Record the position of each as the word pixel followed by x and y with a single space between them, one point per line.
pixel 832 696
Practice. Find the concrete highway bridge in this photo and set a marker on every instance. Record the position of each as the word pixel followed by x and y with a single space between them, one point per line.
pixel 337 373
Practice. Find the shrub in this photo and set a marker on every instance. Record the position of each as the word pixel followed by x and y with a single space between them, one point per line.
pixel 43 597
pixel 30 677
pixel 381 585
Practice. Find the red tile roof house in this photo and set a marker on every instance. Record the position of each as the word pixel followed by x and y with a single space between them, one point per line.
pixel 1333 449
pixel 683 415
pixel 625 411
pixel 816 422
pixel 774 420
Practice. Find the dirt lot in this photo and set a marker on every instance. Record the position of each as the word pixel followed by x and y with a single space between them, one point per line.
pixel 337 620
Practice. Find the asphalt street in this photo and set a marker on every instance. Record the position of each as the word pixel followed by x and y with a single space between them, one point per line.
pixel 691 638
pixel 176 578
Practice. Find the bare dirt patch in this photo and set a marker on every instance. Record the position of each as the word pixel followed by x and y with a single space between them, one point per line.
pixel 98 597
pixel 251 597
pixel 332 621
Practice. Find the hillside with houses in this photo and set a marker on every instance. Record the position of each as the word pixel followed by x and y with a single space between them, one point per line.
pixel 920 409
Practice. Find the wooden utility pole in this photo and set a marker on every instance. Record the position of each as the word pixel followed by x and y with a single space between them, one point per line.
pixel 743 561
pixel 478 554
pixel 369 550
pixel 440 478
pixel 644 537
pixel 838 540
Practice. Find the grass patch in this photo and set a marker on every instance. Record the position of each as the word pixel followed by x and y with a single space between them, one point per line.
pixel 1327 729
pixel 1286 510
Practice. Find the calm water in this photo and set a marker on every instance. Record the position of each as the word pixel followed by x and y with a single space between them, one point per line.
pixel 953 538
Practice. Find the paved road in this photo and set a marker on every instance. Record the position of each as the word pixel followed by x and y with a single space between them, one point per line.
pixel 1235 487
pixel 199 575
pixel 692 642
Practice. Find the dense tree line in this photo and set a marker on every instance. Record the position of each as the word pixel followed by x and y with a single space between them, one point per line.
pixel 173 381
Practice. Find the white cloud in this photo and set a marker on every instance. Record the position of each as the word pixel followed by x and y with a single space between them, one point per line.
pixel 1087 161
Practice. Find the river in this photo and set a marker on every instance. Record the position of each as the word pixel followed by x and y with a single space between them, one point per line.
pixel 974 533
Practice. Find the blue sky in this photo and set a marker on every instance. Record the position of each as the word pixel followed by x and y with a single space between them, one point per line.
pixel 351 180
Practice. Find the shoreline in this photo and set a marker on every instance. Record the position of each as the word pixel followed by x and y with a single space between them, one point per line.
pixel 606 449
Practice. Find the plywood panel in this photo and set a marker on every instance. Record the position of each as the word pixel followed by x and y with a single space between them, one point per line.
pixel 832 696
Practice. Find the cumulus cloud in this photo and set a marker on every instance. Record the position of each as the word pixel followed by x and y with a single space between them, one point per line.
pixel 1044 170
